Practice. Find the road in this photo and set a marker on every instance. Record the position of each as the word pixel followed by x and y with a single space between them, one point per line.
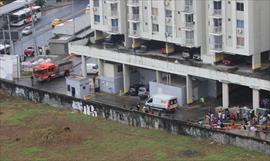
pixel 43 28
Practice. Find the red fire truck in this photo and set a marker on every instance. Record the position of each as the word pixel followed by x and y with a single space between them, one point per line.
pixel 46 71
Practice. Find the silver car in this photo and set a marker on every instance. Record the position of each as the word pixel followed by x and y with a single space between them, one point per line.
pixel 27 30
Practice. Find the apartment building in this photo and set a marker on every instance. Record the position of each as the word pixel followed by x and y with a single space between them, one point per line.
pixel 216 29
pixel 237 27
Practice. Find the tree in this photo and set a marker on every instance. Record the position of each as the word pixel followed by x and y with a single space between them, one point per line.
pixel 41 3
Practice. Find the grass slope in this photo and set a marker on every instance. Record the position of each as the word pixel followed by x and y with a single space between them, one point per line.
pixel 38 132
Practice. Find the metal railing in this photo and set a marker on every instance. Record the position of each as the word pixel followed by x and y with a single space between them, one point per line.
pixel 133 2
pixel 217 29
pixel 217 12
pixel 134 33
pixel 134 17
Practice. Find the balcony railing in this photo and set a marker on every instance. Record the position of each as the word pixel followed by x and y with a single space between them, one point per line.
pixel 134 17
pixel 134 33
pixel 114 29
pixel 188 8
pixel 217 29
pixel 217 46
pixel 114 13
pixel 217 12
pixel 189 25
pixel 133 3
pixel 189 42
pixel 112 1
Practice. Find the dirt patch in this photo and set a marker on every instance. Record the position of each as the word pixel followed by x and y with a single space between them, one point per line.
pixel 189 153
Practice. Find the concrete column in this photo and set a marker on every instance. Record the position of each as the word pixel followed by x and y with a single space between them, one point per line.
pixel 128 41
pixel 256 61
pixel 169 48
pixel 136 43
pixel 100 67
pixel 255 99
pixel 158 77
pixel 189 88
pixel 225 94
pixel 126 77
pixel 99 35
pixel 83 66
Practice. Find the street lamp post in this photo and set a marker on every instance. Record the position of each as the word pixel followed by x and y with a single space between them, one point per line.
pixel 9 35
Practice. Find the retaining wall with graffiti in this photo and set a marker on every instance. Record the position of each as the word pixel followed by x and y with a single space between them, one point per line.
pixel 133 117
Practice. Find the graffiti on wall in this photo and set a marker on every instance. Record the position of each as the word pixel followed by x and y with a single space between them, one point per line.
pixel 86 109
pixel 20 92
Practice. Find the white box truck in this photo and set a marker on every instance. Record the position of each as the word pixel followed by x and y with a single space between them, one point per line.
pixel 162 102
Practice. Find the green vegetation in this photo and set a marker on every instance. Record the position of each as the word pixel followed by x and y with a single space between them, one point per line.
pixel 38 132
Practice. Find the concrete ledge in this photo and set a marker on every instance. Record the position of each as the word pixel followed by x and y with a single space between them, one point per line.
pixel 133 118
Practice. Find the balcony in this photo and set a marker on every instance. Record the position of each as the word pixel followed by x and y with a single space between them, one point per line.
pixel 113 29
pixel 133 3
pixel 113 14
pixel 189 42
pixel 188 25
pixel 216 30
pixel 217 47
pixel 134 17
pixel 240 31
pixel 111 1
pixel 134 33
pixel 188 9
pixel 217 12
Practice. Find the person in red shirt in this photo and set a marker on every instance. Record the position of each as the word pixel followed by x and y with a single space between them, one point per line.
pixel 232 117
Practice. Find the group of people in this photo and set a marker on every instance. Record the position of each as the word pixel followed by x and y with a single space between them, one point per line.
pixel 248 121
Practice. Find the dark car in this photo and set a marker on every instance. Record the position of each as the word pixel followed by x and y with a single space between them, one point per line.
pixel 134 89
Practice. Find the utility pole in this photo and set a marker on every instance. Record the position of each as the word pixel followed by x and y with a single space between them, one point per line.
pixel 34 30
pixel 73 18
pixel 10 40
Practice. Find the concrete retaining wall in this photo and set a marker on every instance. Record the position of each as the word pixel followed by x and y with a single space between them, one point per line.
pixel 133 118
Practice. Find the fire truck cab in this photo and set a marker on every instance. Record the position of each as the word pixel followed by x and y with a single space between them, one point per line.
pixel 44 71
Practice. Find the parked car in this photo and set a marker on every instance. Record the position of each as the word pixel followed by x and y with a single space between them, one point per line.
pixel 134 89
pixel 143 92
pixel 56 22
pixel 162 102
pixel 30 51
pixel 186 55
pixel 197 57
pixel 27 30
pixel 227 61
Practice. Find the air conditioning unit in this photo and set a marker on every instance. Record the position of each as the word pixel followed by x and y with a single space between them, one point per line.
pixel 167 3
pixel 240 31
pixel 94 9
pixel 168 20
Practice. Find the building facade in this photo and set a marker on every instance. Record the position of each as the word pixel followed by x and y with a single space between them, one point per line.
pixel 213 29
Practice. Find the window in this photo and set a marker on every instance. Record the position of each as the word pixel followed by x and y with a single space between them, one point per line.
pixel 217 5
pixel 119 68
pixel 155 28
pixel 168 13
pixel 240 24
pixel 169 30
pixel 154 11
pixel 97 18
pixel 240 41
pixel 96 3
pixel 68 87
pixel 240 6
pixel 135 10
pixel 189 17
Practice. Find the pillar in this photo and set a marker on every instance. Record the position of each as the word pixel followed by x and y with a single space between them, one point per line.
pixel 128 41
pixel 256 61
pixel 83 66
pixel 100 67
pixel 126 77
pixel 255 99
pixel 99 35
pixel 136 43
pixel 225 94
pixel 189 89
pixel 158 77
pixel 169 48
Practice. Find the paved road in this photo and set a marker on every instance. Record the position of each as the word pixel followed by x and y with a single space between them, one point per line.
pixel 43 29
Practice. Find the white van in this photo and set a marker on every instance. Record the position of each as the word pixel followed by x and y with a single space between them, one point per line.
pixel 162 102
pixel 91 68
